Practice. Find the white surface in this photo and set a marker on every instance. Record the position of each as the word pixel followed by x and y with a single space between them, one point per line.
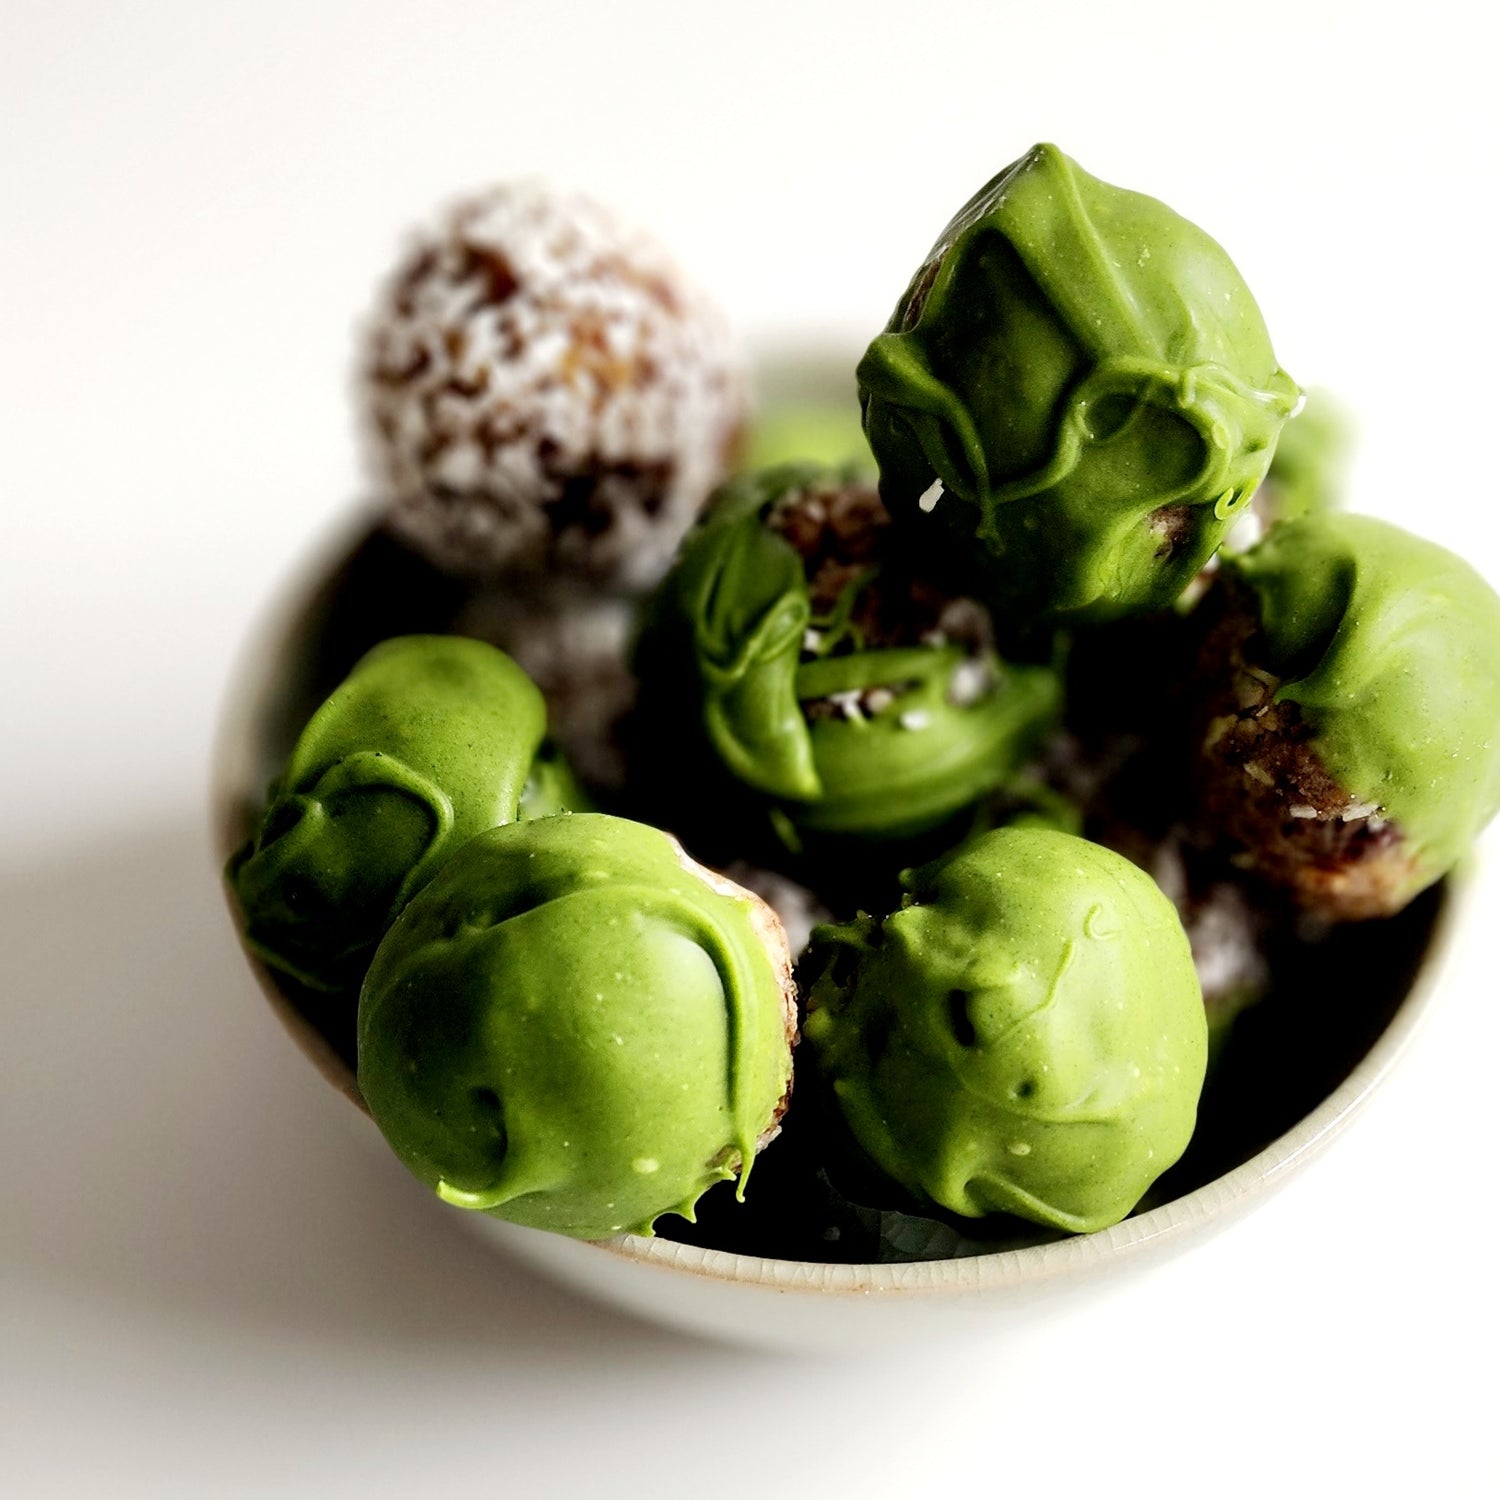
pixel 206 1286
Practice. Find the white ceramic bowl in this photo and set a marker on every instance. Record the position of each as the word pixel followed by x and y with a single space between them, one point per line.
pixel 789 1304
pixel 361 588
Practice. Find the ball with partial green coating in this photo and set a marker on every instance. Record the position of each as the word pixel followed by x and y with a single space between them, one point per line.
pixel 1024 1035
pixel 1078 379
pixel 1349 712
pixel 577 1028
pixel 828 677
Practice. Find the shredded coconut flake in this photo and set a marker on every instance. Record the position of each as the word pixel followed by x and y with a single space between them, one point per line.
pixel 544 387
pixel 969 683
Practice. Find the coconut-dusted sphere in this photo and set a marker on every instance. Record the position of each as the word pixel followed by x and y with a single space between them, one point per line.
pixel 545 392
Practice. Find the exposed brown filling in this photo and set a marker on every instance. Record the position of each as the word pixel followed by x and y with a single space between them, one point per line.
pixel 1265 788
pixel 1173 526
pixel 858 578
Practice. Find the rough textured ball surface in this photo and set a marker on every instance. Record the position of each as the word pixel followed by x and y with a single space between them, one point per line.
pixel 544 391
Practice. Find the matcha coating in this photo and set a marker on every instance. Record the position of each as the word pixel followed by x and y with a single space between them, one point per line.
pixel 428 741
pixel 841 736
pixel 1388 646
pixel 574 1027
pixel 1025 1035
pixel 1079 378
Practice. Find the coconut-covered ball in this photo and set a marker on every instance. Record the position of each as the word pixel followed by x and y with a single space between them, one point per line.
pixel 545 391
pixel 820 669
pixel 1079 380
pixel 1025 1035
pixel 577 1028
pixel 1348 741
pixel 428 740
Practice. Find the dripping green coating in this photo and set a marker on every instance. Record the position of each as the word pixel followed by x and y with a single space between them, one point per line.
pixel 570 1029
pixel 1088 378
pixel 727 630
pixel 429 740
pixel 1025 1035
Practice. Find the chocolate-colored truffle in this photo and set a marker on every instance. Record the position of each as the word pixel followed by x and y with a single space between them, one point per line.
pixel 545 391
pixel 825 672
pixel 1079 379
pixel 1025 1035
pixel 429 740
pixel 1348 735
pixel 577 1028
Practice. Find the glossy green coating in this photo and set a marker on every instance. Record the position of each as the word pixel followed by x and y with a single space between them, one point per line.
pixel 883 778
pixel 1390 647
pixel 1072 359
pixel 571 1029
pixel 429 740
pixel 728 629
pixel 728 624
pixel 1025 1035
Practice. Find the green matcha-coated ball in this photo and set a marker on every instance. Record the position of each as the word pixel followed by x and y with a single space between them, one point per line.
pixel 1080 379
pixel 1389 645
pixel 429 740
pixel 727 650
pixel 1025 1035
pixel 574 1027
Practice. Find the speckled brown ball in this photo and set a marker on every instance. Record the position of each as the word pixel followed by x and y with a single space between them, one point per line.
pixel 545 393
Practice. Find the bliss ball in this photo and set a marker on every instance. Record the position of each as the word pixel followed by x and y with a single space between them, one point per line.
pixel 1077 390
pixel 1025 1034
pixel 798 648
pixel 1347 743
pixel 578 1028
pixel 544 392
pixel 428 741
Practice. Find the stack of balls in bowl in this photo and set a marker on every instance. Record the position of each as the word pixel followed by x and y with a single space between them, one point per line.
pixel 1051 780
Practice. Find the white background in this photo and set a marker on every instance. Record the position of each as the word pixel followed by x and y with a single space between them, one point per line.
pixel 208 1286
